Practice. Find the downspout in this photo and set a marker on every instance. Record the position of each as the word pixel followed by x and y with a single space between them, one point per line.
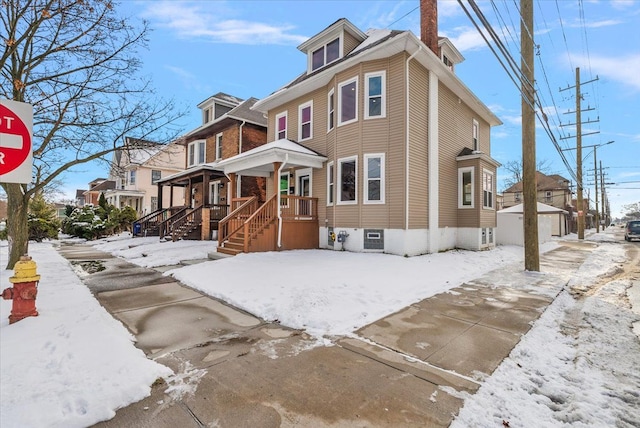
pixel 406 196
pixel 286 159
pixel 240 137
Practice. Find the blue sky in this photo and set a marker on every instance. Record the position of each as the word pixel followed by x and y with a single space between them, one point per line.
pixel 248 48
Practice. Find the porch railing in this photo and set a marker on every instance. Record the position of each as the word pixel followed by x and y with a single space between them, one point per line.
pixel 164 228
pixel 259 220
pixel 299 208
pixel 153 220
pixel 181 226
pixel 232 223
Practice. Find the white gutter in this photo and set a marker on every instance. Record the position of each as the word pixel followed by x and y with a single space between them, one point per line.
pixel 406 196
pixel 286 159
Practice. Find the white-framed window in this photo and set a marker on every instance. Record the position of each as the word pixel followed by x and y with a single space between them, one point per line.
pixel 518 196
pixel 155 175
pixel 154 203
pixel 331 110
pixel 281 125
pixel 330 183
pixel 465 187
pixel 374 178
pixel 196 151
pixel 219 146
pixel 375 95
pixel 325 54
pixel 475 129
pixel 487 189
pixel 132 177
pixel 348 101
pixel 348 180
pixel 548 196
pixel 305 123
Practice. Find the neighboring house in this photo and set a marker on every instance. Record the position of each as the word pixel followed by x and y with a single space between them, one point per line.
pixel 377 146
pixel 96 187
pixel 229 127
pixel 137 167
pixel 553 190
pixel 79 201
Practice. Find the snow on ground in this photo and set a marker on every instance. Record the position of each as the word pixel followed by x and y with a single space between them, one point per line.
pixel 577 366
pixel 74 364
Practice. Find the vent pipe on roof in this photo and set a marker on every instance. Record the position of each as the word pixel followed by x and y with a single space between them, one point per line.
pixel 429 24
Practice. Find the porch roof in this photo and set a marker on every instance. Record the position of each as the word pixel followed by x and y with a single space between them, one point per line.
pixel 124 193
pixel 182 178
pixel 258 162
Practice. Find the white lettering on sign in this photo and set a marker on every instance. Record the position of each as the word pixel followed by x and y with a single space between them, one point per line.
pixel 6 121
pixel 1 158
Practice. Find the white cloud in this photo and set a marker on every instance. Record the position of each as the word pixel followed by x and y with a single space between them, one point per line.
pixel 188 79
pixel 622 4
pixel 466 39
pixel 189 19
pixel 595 24
pixel 610 68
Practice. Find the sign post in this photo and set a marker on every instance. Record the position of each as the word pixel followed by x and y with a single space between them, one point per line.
pixel 16 152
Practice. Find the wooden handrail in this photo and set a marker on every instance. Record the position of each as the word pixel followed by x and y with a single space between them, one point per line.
pixel 194 215
pixel 233 222
pixel 259 220
pixel 165 225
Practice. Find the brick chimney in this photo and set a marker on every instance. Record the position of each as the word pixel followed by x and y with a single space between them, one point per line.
pixel 429 24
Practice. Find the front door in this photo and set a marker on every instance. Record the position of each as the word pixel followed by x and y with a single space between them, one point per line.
pixel 214 192
pixel 303 188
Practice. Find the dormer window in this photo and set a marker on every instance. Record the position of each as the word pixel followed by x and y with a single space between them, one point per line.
pixel 325 54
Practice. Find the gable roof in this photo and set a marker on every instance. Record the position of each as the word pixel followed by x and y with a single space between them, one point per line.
pixel 220 96
pixel 380 44
pixel 543 182
pixel 258 162
pixel 242 113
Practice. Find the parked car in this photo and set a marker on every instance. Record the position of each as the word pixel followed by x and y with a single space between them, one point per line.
pixel 632 230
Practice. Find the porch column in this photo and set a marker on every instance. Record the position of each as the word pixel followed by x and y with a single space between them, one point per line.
pixel 233 177
pixel 276 178
pixel 160 196
pixel 206 197
pixel 170 195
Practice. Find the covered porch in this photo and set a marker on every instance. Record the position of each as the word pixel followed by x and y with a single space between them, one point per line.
pixel 205 205
pixel 288 219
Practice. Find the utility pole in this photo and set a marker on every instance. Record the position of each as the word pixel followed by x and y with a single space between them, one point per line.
pixel 595 176
pixel 607 220
pixel 529 187
pixel 579 135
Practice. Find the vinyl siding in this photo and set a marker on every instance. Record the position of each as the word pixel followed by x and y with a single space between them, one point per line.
pixel 418 146
pixel 455 122
pixel 349 44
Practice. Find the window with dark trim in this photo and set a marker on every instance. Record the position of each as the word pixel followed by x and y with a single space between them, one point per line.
pixel 348 180
pixel 155 175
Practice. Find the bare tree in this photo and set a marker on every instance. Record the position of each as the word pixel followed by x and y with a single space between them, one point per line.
pixel 514 171
pixel 77 63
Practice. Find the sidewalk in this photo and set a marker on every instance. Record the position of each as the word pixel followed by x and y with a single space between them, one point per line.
pixel 247 372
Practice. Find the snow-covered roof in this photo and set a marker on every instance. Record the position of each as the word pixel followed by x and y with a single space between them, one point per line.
pixel 542 209
pixel 259 161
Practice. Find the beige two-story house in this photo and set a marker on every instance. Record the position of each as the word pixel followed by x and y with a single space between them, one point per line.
pixel 553 190
pixel 376 146
pixel 136 169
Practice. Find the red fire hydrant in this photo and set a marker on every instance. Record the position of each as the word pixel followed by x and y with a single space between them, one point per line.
pixel 24 291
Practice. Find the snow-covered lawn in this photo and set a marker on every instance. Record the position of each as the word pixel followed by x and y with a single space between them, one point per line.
pixel 74 365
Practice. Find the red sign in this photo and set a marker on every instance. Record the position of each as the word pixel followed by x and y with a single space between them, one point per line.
pixel 16 159
pixel 15 130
